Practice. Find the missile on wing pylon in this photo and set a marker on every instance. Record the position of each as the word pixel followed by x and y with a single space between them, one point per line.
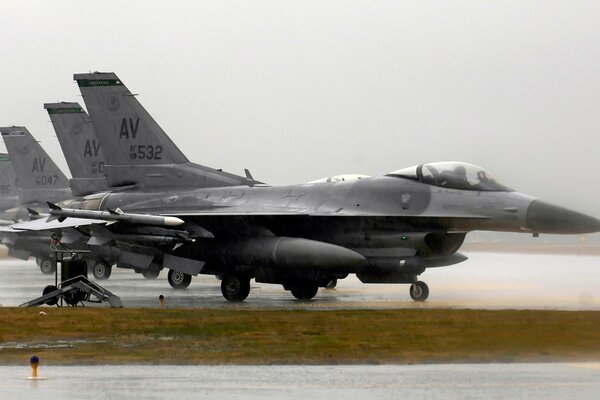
pixel 61 214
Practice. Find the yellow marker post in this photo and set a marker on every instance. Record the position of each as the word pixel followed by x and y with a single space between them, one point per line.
pixel 161 300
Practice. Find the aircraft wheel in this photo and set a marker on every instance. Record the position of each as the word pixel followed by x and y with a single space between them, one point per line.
pixel 50 289
pixel 47 266
pixel 178 279
pixel 235 287
pixel 331 284
pixel 73 298
pixel 102 270
pixel 151 274
pixel 305 291
pixel 419 291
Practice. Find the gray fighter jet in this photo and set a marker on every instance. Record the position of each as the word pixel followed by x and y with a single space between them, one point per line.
pixel 384 229
pixel 37 179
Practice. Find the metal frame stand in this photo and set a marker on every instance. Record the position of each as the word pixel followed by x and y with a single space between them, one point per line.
pixel 79 287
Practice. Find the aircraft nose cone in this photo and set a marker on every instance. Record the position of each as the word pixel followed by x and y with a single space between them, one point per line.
pixel 543 217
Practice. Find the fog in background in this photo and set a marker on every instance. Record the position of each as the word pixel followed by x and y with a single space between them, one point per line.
pixel 296 91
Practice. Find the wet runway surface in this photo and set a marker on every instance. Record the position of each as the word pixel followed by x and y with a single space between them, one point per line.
pixel 445 381
pixel 486 280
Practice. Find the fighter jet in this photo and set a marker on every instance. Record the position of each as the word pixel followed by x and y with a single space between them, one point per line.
pixel 37 179
pixel 385 229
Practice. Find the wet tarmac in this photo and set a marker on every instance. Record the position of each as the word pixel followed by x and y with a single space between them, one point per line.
pixel 486 280
pixel 445 381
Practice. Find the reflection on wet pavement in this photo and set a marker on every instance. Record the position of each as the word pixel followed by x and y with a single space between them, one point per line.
pixel 486 280
pixel 442 381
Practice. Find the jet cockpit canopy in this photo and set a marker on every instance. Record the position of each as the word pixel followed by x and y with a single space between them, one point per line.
pixel 453 175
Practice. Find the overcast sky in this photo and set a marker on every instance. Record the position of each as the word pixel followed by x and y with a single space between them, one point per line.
pixel 295 91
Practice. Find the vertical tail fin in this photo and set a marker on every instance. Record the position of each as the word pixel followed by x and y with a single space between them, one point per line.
pixel 38 177
pixel 131 137
pixel 8 185
pixel 118 115
pixel 80 146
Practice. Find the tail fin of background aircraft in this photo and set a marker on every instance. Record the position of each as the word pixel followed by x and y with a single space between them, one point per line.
pixel 80 146
pixel 8 185
pixel 130 137
pixel 38 177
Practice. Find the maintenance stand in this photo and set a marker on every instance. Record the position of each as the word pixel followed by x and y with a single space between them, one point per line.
pixel 74 288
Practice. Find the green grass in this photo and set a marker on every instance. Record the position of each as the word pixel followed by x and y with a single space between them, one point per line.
pixel 214 336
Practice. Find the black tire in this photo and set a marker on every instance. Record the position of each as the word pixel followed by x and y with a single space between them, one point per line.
pixel 331 284
pixel 419 291
pixel 235 287
pixel 47 266
pixel 179 280
pixel 151 274
pixel 102 270
pixel 49 289
pixel 305 291
pixel 74 297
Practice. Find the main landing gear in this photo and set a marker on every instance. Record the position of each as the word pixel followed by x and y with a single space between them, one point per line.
pixel 102 270
pixel 331 284
pixel 419 291
pixel 151 274
pixel 178 279
pixel 305 290
pixel 47 265
pixel 235 287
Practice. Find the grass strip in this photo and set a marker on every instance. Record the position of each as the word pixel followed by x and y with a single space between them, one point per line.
pixel 70 336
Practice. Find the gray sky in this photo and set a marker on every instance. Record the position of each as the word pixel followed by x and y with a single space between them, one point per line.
pixel 295 91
